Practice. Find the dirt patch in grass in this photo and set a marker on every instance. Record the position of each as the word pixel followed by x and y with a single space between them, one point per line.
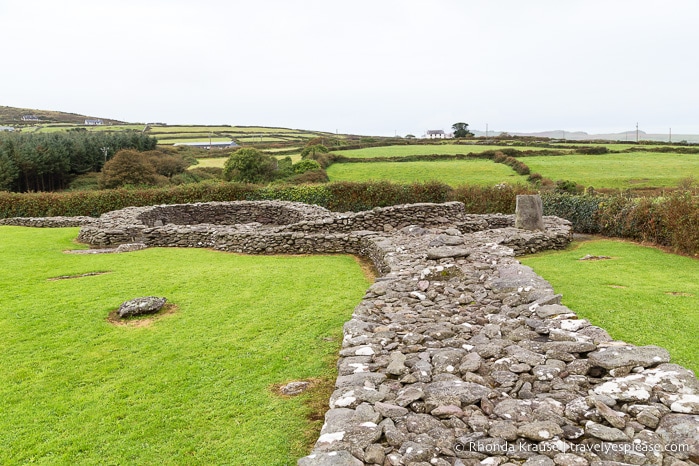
pixel 638 180
pixel 621 287
pixel 81 275
pixel 368 268
pixel 679 293
pixel 141 321
pixel 316 399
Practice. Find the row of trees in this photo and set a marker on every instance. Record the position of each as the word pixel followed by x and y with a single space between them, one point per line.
pixel 48 161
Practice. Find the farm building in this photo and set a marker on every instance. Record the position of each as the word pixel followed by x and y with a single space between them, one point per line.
pixel 437 134
pixel 94 122
pixel 6 128
pixel 30 118
pixel 208 145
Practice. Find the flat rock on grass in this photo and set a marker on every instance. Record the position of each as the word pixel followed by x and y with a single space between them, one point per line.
pixel 140 306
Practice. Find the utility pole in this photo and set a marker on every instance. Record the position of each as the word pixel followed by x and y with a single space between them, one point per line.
pixel 636 132
pixel 670 136
pixel 486 131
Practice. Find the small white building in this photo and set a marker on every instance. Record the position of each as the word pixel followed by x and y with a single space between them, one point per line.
pixel 93 122
pixel 6 128
pixel 437 134
pixel 30 118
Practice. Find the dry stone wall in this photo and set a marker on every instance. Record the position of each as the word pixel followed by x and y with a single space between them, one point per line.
pixel 457 354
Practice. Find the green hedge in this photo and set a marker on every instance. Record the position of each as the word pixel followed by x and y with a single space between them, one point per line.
pixel 580 210
pixel 671 221
pixel 340 196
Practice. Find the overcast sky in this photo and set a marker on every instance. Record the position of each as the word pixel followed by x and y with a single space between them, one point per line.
pixel 375 67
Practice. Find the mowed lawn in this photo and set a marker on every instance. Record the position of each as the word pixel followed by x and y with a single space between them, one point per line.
pixel 622 171
pixel 641 295
pixel 192 387
pixel 451 172
pixel 424 149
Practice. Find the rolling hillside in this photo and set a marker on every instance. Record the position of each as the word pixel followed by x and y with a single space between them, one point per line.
pixel 12 116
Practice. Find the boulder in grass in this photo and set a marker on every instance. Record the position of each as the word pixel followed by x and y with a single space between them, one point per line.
pixel 140 306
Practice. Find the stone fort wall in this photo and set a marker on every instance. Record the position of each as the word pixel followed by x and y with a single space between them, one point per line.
pixel 457 354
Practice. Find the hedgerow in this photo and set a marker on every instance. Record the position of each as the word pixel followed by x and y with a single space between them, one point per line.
pixel 671 221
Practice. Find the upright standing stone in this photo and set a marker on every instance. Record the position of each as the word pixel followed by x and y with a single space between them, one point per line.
pixel 529 214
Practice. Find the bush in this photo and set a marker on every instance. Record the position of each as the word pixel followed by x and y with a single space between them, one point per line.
pixel 535 178
pixel 495 199
pixel 592 150
pixel 305 165
pixel 309 177
pixel 312 151
pixel 566 186
pixel 581 211
pixel 128 168
pixel 249 165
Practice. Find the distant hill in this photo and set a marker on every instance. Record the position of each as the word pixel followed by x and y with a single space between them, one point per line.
pixel 12 116
pixel 629 136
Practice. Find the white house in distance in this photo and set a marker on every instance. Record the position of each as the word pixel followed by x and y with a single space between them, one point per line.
pixel 30 118
pixel 93 122
pixel 437 134
pixel 7 128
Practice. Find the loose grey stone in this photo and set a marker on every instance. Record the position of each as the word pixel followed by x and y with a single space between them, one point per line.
pixel 294 388
pixel 446 252
pixel 539 460
pixel 390 410
pixel 542 430
pixel 603 432
pixel 619 356
pixel 333 458
pixel 680 430
pixel 140 306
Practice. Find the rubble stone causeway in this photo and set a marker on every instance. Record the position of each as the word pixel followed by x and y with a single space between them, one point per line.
pixel 457 354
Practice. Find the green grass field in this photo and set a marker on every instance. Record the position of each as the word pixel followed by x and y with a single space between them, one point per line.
pixel 622 171
pixel 194 386
pixel 166 142
pixel 452 172
pixel 424 149
pixel 642 295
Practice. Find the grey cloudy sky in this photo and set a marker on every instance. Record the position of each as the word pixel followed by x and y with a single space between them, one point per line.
pixel 365 67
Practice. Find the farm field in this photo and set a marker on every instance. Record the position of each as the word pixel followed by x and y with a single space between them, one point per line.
pixel 452 172
pixel 642 295
pixel 425 149
pixel 194 386
pixel 620 171
pixel 166 142
pixel 52 128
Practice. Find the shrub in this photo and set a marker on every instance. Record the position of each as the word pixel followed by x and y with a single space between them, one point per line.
pixel 312 151
pixel 167 164
pixel 592 150
pixel 482 200
pixel 499 157
pixel 535 178
pixel 581 211
pixel 566 186
pixel 309 177
pixel 249 165
pixel 305 165
pixel 128 168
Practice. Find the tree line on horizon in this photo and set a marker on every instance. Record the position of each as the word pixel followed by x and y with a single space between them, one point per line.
pixel 48 161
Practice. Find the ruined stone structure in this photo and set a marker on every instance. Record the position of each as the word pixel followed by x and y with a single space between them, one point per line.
pixel 457 354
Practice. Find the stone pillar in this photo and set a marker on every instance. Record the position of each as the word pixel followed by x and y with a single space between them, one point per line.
pixel 529 214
